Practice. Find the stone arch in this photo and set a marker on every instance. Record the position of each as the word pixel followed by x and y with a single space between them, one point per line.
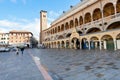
pixel 106 37
pixel 93 30
pixel 81 20
pixel 84 43
pixel 62 44
pixel 118 36
pixel 58 44
pixel 107 42
pixel 51 31
pixel 76 22
pixel 55 29
pixel 118 6
pixel 75 43
pixel 97 14
pixel 108 9
pixel 79 32
pixel 67 44
pixel 61 37
pixel 52 38
pixel 47 39
pixel 68 35
pixel 71 24
pixel 62 27
pixel 49 45
pixel 94 38
pixel 59 29
pixel 118 41
pixel 114 25
pixel 54 44
pixel 66 25
pixel 94 42
pixel 87 18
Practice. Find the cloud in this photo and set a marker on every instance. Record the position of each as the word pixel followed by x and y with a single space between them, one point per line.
pixel 7 23
pixel 33 26
pixel 23 24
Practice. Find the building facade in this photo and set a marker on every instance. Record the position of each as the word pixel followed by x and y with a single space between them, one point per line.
pixel 91 24
pixel 4 38
pixel 19 37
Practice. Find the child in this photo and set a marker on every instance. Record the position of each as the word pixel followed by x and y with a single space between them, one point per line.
pixel 17 51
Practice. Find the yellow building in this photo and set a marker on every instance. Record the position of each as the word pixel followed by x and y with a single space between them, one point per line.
pixel 19 37
pixel 91 24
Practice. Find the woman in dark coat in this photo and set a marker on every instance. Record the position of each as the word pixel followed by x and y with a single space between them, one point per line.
pixel 22 49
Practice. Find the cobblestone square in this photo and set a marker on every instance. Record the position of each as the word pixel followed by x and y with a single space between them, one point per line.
pixel 61 64
pixel 70 64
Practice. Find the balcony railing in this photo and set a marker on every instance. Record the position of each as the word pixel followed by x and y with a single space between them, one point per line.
pixel 87 24
pixel 117 15
pixel 97 21
pixel 109 17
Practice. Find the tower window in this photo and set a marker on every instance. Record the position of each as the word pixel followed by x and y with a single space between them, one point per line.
pixel 44 15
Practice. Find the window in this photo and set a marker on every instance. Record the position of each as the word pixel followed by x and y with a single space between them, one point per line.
pixel 44 15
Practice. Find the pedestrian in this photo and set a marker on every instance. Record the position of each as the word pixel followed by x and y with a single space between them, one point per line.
pixel 22 49
pixel 17 51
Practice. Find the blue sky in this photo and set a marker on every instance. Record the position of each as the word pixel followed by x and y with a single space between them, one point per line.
pixel 24 14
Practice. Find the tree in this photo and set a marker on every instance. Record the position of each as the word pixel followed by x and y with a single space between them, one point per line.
pixel 33 42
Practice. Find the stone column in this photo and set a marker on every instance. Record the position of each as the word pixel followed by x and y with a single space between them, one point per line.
pixel 115 44
pixel 51 45
pixel 101 7
pixel 75 44
pixel 65 44
pixel 60 45
pixel 89 45
pixel 70 44
pixel 55 46
pixel 115 8
pixel 80 45
pixel 100 46
pixel 96 43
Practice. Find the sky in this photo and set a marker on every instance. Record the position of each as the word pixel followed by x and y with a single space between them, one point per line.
pixel 25 14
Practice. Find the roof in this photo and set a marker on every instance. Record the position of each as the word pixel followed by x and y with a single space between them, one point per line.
pixel 19 31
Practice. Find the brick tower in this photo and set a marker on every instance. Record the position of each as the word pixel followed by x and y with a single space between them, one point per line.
pixel 43 23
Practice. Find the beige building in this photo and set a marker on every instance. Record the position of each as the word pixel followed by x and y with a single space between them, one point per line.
pixel 91 24
pixel 4 38
pixel 19 37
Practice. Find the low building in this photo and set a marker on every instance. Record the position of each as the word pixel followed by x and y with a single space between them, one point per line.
pixel 4 38
pixel 19 37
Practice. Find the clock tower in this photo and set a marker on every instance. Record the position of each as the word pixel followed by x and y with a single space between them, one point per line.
pixel 43 23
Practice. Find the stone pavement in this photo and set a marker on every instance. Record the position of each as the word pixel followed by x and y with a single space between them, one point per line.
pixel 18 67
pixel 69 64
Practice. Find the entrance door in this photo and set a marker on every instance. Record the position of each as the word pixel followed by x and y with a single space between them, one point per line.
pixel 110 45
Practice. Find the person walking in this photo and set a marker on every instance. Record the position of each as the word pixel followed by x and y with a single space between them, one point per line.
pixel 22 49
pixel 17 51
